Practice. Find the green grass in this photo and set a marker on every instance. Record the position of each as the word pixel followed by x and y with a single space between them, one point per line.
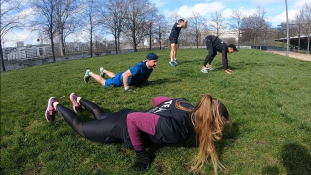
pixel 268 98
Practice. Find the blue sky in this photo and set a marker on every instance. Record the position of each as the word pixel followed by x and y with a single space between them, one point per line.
pixel 275 12
pixel 275 8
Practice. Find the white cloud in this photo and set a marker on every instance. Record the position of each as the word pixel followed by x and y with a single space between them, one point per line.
pixel 201 8
pixel 228 12
pixel 299 4
pixel 266 2
pixel 159 3
pixel 19 35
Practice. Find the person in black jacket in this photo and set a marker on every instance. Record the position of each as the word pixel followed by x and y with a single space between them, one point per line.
pixel 214 44
pixel 170 120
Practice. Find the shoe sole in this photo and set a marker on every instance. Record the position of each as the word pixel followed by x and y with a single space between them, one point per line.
pixel 48 109
pixel 75 103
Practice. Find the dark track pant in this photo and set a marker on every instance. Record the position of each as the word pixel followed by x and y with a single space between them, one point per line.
pixel 98 130
pixel 212 52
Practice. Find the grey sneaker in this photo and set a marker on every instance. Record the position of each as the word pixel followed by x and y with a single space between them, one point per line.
pixel 209 68
pixel 102 74
pixel 50 111
pixel 204 70
pixel 175 61
pixel 87 76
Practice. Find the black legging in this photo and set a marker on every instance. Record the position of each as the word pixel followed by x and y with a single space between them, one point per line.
pixel 212 52
pixel 98 130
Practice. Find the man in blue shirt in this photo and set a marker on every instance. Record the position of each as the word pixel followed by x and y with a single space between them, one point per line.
pixel 174 39
pixel 136 75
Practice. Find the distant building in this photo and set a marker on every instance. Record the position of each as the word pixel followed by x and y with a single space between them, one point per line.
pixel 294 41
pixel 29 51
pixel 19 44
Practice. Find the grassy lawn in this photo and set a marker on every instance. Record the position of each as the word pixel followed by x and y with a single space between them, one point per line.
pixel 268 98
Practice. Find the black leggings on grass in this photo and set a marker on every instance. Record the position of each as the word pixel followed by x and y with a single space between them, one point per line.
pixel 98 130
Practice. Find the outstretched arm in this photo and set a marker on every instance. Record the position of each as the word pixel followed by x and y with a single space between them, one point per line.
pixel 126 76
pixel 225 62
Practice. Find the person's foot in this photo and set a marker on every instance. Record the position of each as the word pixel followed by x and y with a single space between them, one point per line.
pixel 76 106
pixel 102 74
pixel 50 110
pixel 204 70
pixel 175 61
pixel 87 76
pixel 209 68
pixel 172 63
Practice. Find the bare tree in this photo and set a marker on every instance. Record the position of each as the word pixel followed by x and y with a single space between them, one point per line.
pixel 199 25
pixel 255 25
pixel 161 28
pixel 218 23
pixel 306 15
pixel 9 19
pixel 91 16
pixel 236 22
pixel 64 9
pixel 45 19
pixel 299 25
pixel 151 20
pixel 113 14
pixel 136 24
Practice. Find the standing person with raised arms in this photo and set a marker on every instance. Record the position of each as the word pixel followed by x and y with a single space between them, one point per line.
pixel 170 120
pixel 214 44
pixel 174 39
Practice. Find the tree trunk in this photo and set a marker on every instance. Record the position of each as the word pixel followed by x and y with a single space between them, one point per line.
pixel 116 41
pixel 308 47
pixel 2 58
pixel 61 43
pixel 134 41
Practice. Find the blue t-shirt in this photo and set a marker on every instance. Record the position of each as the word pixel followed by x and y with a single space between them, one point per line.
pixel 175 31
pixel 140 74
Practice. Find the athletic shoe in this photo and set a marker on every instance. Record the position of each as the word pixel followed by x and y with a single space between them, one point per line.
pixel 102 74
pixel 175 61
pixel 76 106
pixel 204 70
pixel 209 68
pixel 87 76
pixel 172 63
pixel 50 110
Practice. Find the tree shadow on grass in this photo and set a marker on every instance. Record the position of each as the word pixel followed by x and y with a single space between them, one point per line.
pixel 159 82
pixel 270 170
pixel 296 159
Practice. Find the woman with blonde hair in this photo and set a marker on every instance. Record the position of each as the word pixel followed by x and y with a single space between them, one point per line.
pixel 170 120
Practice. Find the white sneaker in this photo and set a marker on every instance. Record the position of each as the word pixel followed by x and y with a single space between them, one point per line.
pixel 209 68
pixel 204 70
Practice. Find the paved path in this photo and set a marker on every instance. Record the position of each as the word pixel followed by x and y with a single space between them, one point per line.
pixel 301 56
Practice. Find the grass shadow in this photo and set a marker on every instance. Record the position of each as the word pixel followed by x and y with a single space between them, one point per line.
pixel 296 159
pixel 230 135
pixel 270 170
pixel 159 82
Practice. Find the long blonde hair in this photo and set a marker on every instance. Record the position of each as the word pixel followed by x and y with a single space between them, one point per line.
pixel 209 117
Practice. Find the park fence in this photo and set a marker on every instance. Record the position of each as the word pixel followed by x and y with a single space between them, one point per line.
pixel 24 63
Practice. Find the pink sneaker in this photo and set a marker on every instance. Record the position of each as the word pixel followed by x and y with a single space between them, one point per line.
pixel 76 106
pixel 50 110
